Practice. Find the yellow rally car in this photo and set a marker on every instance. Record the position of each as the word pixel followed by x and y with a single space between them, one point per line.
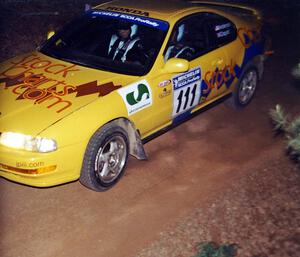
pixel 117 76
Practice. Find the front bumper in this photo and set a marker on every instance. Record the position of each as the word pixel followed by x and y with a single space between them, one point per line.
pixel 42 169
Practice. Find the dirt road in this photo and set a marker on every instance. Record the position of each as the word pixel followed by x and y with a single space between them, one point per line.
pixel 187 167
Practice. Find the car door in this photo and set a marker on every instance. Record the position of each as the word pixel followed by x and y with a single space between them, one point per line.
pixel 208 64
pixel 213 43
pixel 175 92
pixel 220 32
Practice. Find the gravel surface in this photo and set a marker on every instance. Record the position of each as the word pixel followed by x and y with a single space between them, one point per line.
pixel 259 212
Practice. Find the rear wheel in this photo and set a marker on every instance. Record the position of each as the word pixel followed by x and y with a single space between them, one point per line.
pixel 105 158
pixel 245 90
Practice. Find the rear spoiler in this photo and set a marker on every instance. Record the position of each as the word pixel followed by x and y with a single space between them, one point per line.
pixel 237 9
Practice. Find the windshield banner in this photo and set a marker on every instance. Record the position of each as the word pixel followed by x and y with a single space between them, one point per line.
pixel 162 25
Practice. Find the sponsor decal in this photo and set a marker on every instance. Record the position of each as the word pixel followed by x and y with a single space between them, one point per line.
pixel 33 62
pixel 128 10
pixel 149 22
pixel 166 92
pixel 164 83
pixel 136 96
pixel 219 77
pixel 222 26
pixel 253 44
pixel 248 37
pixel 223 30
pixel 223 33
pixel 29 165
pixel 186 91
pixel 22 80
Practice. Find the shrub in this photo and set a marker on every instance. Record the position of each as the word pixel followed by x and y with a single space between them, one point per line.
pixel 290 127
pixel 213 250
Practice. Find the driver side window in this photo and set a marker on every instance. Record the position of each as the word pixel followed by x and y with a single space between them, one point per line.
pixel 198 34
pixel 180 44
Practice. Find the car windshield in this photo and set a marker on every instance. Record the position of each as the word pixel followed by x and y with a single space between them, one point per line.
pixel 109 41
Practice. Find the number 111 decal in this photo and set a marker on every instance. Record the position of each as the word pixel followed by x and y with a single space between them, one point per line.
pixel 186 91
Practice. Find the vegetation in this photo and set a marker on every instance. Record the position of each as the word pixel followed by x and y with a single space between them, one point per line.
pixel 213 250
pixel 291 129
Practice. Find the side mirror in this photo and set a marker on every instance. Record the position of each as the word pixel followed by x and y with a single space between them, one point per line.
pixel 176 65
pixel 50 34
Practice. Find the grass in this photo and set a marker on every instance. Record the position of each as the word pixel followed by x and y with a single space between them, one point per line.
pixel 211 249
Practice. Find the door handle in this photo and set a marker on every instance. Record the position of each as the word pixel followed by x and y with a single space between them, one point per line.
pixel 217 62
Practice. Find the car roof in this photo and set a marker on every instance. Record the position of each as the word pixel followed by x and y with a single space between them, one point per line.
pixel 171 9
pixel 161 9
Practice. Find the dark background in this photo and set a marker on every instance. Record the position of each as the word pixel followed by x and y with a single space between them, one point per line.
pixel 24 23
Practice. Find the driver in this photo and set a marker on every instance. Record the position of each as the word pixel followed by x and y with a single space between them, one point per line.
pixel 125 45
pixel 180 45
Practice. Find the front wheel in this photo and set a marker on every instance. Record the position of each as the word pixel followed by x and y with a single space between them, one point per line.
pixel 245 90
pixel 105 158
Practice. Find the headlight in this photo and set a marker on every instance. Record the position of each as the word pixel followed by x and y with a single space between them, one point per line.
pixel 28 143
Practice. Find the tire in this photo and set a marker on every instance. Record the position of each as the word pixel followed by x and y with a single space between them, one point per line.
pixel 245 89
pixel 105 158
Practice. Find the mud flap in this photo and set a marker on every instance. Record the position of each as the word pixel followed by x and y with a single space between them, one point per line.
pixel 136 147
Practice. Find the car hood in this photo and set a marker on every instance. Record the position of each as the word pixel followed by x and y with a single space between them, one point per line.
pixel 36 91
